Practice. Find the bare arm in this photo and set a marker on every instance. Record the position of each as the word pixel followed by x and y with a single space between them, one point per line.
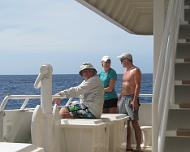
pixel 137 81
pixel 111 86
pixel 121 94
pixel 74 91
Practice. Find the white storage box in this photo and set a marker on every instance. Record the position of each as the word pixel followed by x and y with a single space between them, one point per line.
pixel 117 127
pixel 83 135
pixel 18 147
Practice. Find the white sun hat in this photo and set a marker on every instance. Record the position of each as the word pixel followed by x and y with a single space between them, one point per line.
pixel 86 66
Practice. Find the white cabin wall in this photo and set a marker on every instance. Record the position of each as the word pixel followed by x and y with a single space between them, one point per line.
pixel 145 114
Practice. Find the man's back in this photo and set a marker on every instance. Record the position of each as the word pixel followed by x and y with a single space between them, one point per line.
pixel 93 96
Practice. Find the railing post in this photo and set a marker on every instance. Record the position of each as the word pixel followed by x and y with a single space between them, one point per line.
pixel 46 89
pixel 4 103
pixel 44 81
pixel 24 104
pixel 1 125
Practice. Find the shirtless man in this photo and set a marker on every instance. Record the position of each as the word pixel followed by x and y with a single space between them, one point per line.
pixel 129 98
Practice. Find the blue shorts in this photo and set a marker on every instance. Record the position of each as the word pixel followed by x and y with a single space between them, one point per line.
pixel 79 110
pixel 126 107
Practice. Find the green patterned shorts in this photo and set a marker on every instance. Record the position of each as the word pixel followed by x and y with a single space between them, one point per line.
pixel 79 110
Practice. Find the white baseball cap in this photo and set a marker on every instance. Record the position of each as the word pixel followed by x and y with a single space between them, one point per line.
pixel 125 56
pixel 105 58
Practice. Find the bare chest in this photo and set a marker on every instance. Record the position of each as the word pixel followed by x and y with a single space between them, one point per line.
pixel 128 77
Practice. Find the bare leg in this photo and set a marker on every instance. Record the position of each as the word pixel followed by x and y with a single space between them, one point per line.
pixel 112 110
pixel 138 134
pixel 105 110
pixel 128 135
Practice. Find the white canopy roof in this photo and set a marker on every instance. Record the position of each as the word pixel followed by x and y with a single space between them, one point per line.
pixel 134 16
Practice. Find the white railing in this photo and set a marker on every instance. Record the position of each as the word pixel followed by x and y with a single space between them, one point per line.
pixel 163 91
pixel 26 99
pixel 148 95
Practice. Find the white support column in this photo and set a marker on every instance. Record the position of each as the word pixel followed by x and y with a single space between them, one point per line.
pixel 44 82
pixel 46 89
pixel 158 27
pixel 45 125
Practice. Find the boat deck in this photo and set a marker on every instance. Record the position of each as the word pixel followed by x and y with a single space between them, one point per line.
pixel 144 149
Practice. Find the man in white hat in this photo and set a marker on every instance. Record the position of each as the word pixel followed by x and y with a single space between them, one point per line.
pixel 90 92
pixel 129 98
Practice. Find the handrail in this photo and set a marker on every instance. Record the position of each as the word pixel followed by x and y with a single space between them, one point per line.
pixel 149 95
pixel 26 98
pixel 164 76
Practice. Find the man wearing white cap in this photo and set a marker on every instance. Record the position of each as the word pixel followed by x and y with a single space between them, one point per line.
pixel 129 98
pixel 91 95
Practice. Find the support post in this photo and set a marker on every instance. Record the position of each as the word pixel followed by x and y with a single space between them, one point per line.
pixel 44 82
pixel 159 8
pixel 1 125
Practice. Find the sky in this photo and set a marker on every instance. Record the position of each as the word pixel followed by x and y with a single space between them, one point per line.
pixel 65 34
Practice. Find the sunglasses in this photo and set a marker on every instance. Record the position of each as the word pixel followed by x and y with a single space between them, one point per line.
pixel 122 60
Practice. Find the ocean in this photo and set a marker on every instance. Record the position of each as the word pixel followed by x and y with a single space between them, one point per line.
pixel 23 85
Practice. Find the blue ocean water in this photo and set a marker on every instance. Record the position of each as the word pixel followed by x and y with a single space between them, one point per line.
pixel 23 85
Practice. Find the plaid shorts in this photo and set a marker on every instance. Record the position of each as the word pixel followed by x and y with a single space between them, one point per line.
pixel 126 107
pixel 79 110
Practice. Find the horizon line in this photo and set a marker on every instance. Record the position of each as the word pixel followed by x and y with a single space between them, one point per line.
pixel 56 74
